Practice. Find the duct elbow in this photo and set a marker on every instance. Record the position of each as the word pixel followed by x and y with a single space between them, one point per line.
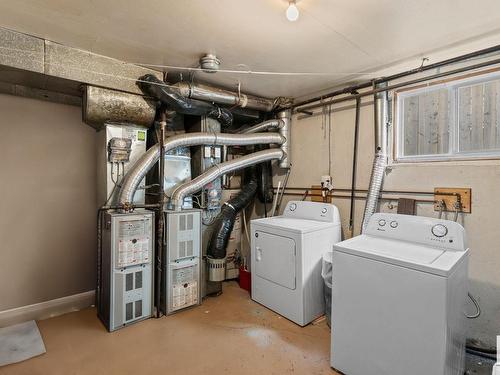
pixel 219 170
pixel 285 131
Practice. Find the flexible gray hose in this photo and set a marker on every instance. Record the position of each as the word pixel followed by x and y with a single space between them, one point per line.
pixel 476 304
pixel 220 169
pixel 376 181
pixel 135 175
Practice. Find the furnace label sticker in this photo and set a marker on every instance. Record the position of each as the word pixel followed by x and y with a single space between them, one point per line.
pixel 131 252
pixel 184 295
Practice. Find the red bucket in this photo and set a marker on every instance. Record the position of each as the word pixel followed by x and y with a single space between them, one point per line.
pixel 245 279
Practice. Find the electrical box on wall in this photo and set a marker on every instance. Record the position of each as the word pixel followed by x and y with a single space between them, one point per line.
pixel 181 280
pixel 125 290
pixel 119 146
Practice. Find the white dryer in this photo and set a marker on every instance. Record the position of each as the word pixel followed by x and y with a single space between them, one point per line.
pixel 398 298
pixel 286 259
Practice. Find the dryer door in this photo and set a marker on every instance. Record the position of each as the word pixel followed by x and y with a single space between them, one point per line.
pixel 275 259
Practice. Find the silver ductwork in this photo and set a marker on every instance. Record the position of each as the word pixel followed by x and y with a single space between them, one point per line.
pixel 381 118
pixel 220 169
pixel 102 105
pixel 145 163
pixel 285 131
pixel 217 95
pixel 274 124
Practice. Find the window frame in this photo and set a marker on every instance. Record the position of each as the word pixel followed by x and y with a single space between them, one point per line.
pixel 453 85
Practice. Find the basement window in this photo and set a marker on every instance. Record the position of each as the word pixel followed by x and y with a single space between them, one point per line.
pixel 457 120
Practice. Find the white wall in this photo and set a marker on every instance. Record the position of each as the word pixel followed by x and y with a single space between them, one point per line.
pixel 47 190
pixel 310 161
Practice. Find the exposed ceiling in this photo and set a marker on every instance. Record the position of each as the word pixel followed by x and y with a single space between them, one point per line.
pixel 341 38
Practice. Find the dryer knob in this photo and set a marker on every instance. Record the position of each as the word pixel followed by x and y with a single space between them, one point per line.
pixel 439 230
pixel 293 207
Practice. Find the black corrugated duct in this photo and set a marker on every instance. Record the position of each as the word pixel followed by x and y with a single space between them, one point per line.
pixel 170 96
pixel 225 220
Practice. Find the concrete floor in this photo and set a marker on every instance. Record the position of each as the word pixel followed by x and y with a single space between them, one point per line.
pixel 229 334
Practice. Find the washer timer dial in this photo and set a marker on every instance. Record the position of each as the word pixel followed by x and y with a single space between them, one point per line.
pixel 439 230
pixel 293 207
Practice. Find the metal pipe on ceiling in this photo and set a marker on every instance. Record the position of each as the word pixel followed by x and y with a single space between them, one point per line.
pixel 400 85
pixel 420 69
pixel 218 95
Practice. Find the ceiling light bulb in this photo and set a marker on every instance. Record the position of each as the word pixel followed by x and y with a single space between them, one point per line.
pixel 292 12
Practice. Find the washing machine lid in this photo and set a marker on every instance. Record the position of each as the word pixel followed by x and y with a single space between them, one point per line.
pixel 416 256
pixel 300 226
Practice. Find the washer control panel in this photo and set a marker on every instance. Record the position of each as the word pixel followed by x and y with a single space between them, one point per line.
pixel 312 211
pixel 439 230
pixel 425 230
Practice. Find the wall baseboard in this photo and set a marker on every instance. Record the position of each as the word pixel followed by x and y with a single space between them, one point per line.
pixel 47 309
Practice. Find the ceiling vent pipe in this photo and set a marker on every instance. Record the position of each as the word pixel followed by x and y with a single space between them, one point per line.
pixel 220 169
pixel 168 95
pixel 217 95
pixel 137 172
pixel 209 63
pixel 381 118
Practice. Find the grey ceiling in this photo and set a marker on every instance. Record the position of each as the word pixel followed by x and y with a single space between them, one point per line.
pixel 341 38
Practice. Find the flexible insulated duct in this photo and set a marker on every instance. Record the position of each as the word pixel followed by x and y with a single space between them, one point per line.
pixel 380 161
pixel 217 95
pixel 151 85
pixel 220 169
pixel 285 131
pixel 225 220
pixel 137 172
pixel 274 124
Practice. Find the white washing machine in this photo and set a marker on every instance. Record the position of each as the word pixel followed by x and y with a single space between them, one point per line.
pixel 398 298
pixel 286 259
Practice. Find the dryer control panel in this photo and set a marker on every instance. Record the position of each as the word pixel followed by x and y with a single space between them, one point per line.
pixel 312 211
pixel 424 230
